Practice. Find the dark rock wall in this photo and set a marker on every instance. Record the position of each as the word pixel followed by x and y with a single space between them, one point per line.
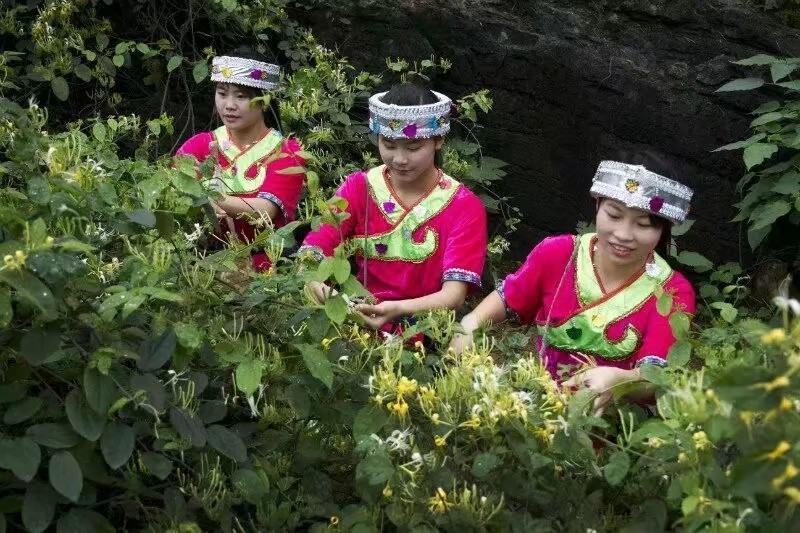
pixel 576 82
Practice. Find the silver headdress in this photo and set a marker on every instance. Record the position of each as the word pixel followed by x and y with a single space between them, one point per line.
pixel 248 72
pixel 409 121
pixel 635 186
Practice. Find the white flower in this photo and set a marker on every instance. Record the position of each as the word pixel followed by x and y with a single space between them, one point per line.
pixel 523 396
pixel 783 303
pixel 344 359
pixel 193 236
pixel 652 269
pixel 420 210
pixel 416 458
pixel 397 441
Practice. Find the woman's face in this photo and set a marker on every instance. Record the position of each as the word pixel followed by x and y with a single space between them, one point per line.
pixel 408 159
pixel 625 235
pixel 234 107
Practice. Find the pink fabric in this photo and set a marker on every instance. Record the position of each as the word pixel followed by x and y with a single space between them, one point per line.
pixel 529 292
pixel 462 239
pixel 284 190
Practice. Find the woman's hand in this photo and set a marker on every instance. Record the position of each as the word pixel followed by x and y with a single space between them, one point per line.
pixel 461 342
pixel 601 380
pixel 319 291
pixel 375 316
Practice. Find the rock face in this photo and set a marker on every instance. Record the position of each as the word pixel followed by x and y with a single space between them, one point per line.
pixel 575 82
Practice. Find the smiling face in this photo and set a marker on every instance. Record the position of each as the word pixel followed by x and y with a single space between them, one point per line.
pixel 234 107
pixel 409 160
pixel 626 236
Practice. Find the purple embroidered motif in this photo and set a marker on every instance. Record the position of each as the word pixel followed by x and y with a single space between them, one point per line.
pixel 656 203
pixel 410 131
pixel 381 248
pixel 256 74
pixel 389 207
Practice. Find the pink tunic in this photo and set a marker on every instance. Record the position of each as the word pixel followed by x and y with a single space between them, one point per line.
pixel 460 249
pixel 530 293
pixel 283 190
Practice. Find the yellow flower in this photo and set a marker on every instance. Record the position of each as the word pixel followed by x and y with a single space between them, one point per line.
pixel 701 441
pixel 777 383
pixel 326 342
pixel 334 521
pixel 790 473
pixel 438 503
pixel 406 386
pixel 779 451
pixel 227 72
pixel 387 491
pixel 710 394
pixel 683 458
pixel 400 408
pixel 793 493
pixel 786 404
pixel 747 417
pixel 435 418
pixel 774 336
pixel 654 442
pixel 440 441
pixel 474 422
pixel 631 185
pixel 427 394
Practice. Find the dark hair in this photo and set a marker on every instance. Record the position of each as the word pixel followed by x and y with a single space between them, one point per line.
pixel 412 94
pixel 272 114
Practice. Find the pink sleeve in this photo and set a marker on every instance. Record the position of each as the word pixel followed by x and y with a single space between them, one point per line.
pixel 284 190
pixel 522 290
pixel 658 336
pixel 465 249
pixel 324 241
pixel 198 146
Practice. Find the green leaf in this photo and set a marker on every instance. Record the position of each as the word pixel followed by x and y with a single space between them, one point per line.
pixel 117 444
pixel 317 364
pixel 12 392
pixel 788 184
pixel 154 353
pixel 376 469
pixel 100 390
pixel 742 84
pixel 31 289
pixel 84 420
pixel 118 60
pixel 22 411
pixel 341 270
pixel 157 464
pixel 679 322
pixel 174 62
pixel 22 456
pixel 664 303
pixel 143 217
pixel 83 72
pixel 248 376
pixel 102 41
pixel 83 521
pixel 766 118
pixel 165 224
pixel 756 235
pixel 189 335
pixel 66 476
pixel 791 85
pixel 742 144
pixel 483 464
pixel 38 507
pixel 53 435
pixel 682 228
pixel 6 311
pixel 250 485
pixel 60 88
pixel 370 419
pixel 188 426
pixel 617 468
pixel 99 131
pixel 297 397
pixel 695 260
pixel 336 309
pixel 227 443
pixel 767 214
pixel 679 354
pixel 200 71
pixel 38 345
pixel 757 153
pixel 758 59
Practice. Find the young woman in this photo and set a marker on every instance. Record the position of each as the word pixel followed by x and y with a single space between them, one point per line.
pixel 420 235
pixel 259 172
pixel 593 296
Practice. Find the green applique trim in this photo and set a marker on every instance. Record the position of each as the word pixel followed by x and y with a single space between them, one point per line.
pixel 398 243
pixel 234 178
pixel 586 331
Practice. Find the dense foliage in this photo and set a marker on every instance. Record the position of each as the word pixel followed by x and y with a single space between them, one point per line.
pixel 149 381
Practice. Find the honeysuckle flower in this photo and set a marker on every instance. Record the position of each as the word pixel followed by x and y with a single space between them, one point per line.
pixel 779 451
pixel 701 441
pixel 774 336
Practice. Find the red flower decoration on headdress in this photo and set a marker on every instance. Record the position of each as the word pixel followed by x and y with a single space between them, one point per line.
pixel 656 203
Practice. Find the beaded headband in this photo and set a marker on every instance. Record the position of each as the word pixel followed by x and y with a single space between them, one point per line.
pixel 409 121
pixel 635 186
pixel 248 72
